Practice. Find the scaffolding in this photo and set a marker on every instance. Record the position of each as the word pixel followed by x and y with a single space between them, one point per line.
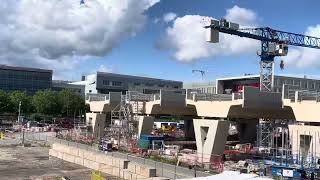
pixel 124 118
pixel 264 132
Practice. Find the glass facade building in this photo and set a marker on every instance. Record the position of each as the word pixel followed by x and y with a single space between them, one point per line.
pixel 29 80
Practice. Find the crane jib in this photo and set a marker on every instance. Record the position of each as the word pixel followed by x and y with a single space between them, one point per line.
pixel 271 35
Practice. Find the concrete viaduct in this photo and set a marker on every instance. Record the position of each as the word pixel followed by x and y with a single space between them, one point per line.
pixel 210 113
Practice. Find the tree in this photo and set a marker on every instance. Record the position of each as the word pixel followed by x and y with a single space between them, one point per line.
pixel 26 106
pixel 46 102
pixel 5 103
pixel 71 102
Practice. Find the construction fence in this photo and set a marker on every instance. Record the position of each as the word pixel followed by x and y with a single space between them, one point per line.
pixel 162 169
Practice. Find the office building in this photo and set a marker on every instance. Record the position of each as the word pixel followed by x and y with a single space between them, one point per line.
pixel 235 84
pixel 201 87
pixel 29 80
pixel 104 83
pixel 58 85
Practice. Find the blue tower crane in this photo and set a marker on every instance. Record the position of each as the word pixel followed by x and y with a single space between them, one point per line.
pixel 273 43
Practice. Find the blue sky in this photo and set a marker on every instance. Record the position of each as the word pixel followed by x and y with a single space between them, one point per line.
pixel 71 54
pixel 137 56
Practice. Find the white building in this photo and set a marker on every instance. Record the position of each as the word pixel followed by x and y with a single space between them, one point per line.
pixel 201 87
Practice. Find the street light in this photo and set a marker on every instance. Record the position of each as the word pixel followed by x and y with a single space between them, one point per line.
pixel 19 111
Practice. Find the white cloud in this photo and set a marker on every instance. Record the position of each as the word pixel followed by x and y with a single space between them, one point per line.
pixel 305 57
pixel 168 17
pixel 187 38
pixel 242 16
pixel 103 68
pixel 60 34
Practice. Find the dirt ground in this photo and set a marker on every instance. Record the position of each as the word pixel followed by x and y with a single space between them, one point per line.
pixel 33 163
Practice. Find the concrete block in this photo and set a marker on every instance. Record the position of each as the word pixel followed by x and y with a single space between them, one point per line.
pixel 141 170
pixel 59 155
pixel 109 160
pixel 141 177
pixel 132 167
pixel 147 172
pixel 105 168
pixel 68 157
pixel 78 160
pixel 58 147
pixel 115 162
pixel 53 153
pixel 74 151
pixel 89 155
pixel 122 163
pixel 101 158
pixel 115 171
pixel 126 174
pixel 81 152
pixel 90 164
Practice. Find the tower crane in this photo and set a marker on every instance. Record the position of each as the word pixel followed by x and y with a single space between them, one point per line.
pixel 202 72
pixel 273 43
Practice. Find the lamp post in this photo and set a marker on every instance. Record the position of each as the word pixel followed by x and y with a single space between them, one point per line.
pixel 19 111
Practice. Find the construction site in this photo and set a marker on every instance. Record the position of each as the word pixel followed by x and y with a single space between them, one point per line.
pixel 262 126
pixel 252 128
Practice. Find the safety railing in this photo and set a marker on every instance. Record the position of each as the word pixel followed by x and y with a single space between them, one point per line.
pixel 289 91
pixel 157 97
pixel 237 96
pixel 137 96
pixel 308 96
pixel 97 97
pixel 213 97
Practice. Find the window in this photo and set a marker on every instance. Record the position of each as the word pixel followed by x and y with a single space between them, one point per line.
pixel 106 82
pixel 161 85
pixel 279 82
pixel 149 84
pixel 116 83
pixel 312 85
pixel 289 81
pixel 297 82
pixel 136 84
pixel 305 85
pixel 176 87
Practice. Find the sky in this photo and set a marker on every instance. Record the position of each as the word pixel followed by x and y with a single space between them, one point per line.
pixel 156 38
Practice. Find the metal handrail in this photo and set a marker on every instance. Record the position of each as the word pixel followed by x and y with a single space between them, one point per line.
pixel 213 97
pixel 308 96
pixel 137 96
pixel 97 97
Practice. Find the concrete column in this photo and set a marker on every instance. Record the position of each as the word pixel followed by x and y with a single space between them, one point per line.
pixel 97 122
pixel 189 129
pixel 247 130
pixel 145 125
pixel 211 136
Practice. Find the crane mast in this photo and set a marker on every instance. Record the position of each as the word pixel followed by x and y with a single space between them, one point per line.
pixel 273 43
